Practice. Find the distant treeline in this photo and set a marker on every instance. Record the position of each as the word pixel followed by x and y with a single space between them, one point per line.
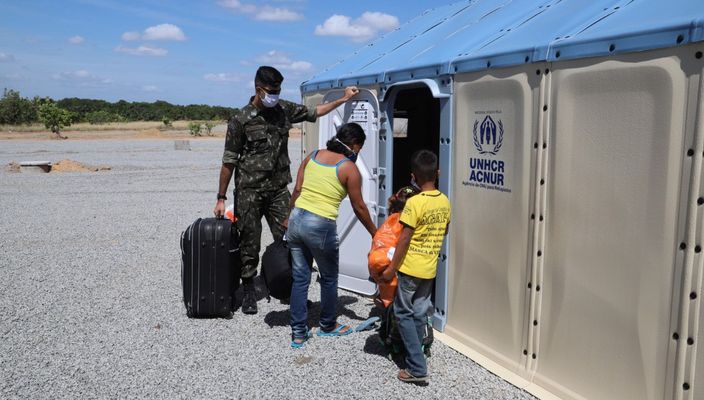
pixel 16 110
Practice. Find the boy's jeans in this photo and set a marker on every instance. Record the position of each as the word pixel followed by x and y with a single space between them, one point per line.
pixel 311 236
pixel 411 307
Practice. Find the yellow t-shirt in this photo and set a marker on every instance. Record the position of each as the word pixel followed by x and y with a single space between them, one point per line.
pixel 428 213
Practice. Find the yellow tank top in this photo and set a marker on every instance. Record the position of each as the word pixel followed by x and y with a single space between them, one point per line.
pixel 322 191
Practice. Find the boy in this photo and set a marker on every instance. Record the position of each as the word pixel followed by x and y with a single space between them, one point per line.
pixel 425 219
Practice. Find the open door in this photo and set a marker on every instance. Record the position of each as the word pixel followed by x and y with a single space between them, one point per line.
pixel 355 241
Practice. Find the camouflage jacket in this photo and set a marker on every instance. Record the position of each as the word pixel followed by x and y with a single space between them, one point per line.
pixel 257 144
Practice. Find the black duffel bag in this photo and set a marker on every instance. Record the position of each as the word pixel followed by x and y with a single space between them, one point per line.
pixel 277 271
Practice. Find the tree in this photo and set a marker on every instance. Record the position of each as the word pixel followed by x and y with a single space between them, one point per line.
pixel 54 118
pixel 16 110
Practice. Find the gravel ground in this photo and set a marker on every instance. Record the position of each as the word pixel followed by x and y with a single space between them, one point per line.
pixel 91 300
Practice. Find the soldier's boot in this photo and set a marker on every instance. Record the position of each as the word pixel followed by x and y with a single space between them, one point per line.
pixel 249 301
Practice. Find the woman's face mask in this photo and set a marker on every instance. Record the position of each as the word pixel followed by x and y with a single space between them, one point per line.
pixel 354 155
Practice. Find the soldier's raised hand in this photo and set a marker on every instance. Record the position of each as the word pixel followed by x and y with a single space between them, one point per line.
pixel 350 91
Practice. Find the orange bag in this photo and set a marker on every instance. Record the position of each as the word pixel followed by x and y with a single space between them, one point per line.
pixel 383 246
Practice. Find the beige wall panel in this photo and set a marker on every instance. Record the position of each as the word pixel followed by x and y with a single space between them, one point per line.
pixel 615 156
pixel 698 388
pixel 490 225
pixel 310 129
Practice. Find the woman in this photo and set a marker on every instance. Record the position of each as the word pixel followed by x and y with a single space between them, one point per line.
pixel 324 178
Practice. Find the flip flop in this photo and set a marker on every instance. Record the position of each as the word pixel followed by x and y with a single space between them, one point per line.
pixel 336 332
pixel 367 325
pixel 298 345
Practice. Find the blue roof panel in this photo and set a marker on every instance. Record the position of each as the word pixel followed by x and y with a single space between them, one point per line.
pixel 475 27
pixel 480 34
pixel 357 61
pixel 635 25
pixel 529 39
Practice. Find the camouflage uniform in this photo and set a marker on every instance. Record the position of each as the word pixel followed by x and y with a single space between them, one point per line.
pixel 257 144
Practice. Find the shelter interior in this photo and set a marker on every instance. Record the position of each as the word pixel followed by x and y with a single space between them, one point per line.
pixel 416 116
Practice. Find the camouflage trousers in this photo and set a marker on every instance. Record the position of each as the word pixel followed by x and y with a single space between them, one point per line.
pixel 251 206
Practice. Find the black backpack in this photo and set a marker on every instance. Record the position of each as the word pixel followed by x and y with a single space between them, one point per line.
pixel 277 271
pixel 391 339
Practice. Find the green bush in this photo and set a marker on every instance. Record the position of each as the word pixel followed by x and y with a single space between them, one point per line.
pixel 101 117
pixel 166 121
pixel 194 127
pixel 209 125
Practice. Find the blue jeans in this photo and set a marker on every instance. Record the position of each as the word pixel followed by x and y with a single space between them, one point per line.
pixel 311 236
pixel 411 306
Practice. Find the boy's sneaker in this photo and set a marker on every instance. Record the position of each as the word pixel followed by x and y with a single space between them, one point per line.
pixel 249 301
pixel 406 376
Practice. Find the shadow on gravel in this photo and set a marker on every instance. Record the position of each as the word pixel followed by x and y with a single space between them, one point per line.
pixel 374 346
pixel 260 290
pixel 283 318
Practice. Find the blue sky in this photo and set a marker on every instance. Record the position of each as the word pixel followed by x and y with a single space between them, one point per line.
pixel 184 52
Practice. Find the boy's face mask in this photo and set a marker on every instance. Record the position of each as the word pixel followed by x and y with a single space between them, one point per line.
pixel 414 183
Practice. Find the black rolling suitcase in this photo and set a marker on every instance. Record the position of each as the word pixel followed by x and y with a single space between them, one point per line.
pixel 210 267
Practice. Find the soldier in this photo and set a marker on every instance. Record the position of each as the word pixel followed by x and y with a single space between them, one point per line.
pixel 256 150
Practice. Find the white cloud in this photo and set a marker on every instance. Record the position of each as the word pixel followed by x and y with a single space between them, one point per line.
pixel 268 13
pixel 157 32
pixel 263 13
pixel 129 36
pixel 361 29
pixel 237 5
pixel 81 76
pixel 150 88
pixel 222 77
pixel 76 39
pixel 4 57
pixel 142 51
pixel 281 61
pixel 164 32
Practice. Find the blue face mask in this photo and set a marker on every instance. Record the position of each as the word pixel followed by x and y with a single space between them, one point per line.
pixel 354 155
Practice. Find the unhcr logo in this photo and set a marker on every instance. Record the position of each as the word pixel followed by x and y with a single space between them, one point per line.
pixel 485 137
pixel 487 172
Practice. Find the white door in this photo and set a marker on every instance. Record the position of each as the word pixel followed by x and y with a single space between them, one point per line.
pixel 355 241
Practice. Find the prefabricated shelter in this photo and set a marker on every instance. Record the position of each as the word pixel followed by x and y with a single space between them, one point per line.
pixel 570 135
